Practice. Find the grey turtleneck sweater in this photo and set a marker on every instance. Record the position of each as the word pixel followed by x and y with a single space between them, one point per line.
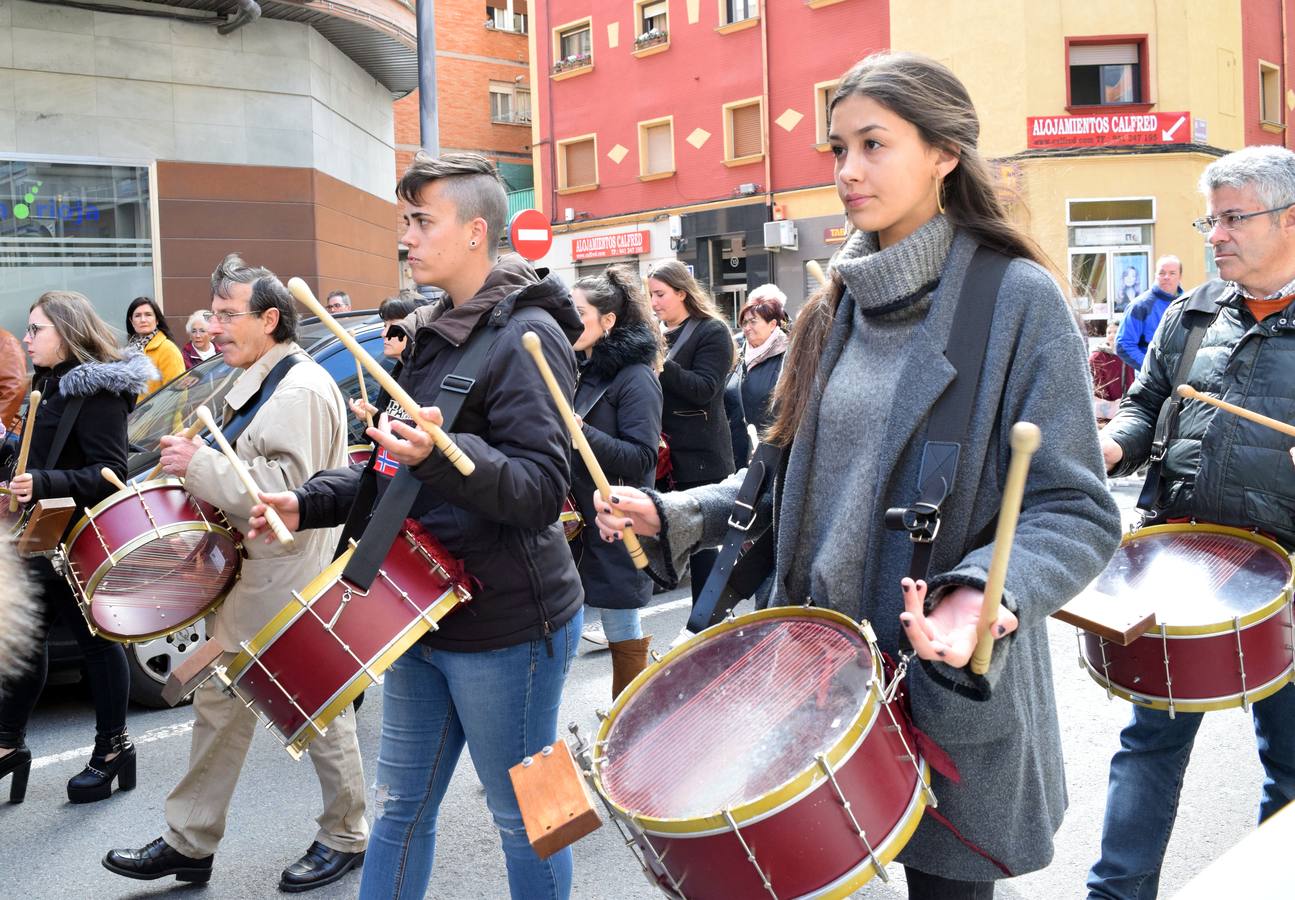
pixel 887 297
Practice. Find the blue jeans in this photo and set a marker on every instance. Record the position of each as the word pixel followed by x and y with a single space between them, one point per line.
pixel 1147 778
pixel 504 705
pixel 621 624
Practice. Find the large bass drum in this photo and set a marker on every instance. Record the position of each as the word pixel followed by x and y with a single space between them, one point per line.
pixel 1222 599
pixel 766 757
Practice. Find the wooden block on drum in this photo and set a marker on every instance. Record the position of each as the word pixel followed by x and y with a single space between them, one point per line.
pixel 1107 616
pixel 189 675
pixel 554 799
pixel 46 525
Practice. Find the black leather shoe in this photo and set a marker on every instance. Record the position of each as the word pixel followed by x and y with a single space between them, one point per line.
pixel 17 763
pixel 320 866
pixel 158 860
pixel 94 782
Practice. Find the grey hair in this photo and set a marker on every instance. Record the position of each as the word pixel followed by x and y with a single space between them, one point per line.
pixel 472 184
pixel 194 318
pixel 767 291
pixel 231 271
pixel 1270 170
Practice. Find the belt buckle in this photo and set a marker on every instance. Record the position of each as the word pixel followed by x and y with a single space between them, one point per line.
pixel 740 526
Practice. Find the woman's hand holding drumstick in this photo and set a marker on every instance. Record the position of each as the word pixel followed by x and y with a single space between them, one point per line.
pixel 22 489
pixel 1190 393
pixel 531 341
pixel 240 469
pixel 965 624
pixel 306 298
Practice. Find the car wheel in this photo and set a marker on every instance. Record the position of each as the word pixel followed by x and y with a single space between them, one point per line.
pixel 151 663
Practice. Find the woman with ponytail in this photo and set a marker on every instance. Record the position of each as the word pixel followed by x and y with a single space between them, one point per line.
pixel 865 367
pixel 618 398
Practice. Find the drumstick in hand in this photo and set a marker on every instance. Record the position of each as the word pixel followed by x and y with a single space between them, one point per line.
pixel 240 469
pixel 111 477
pixel 1190 393
pixel 457 458
pixel 33 402
pixel 188 434
pixel 531 341
pixel 364 393
pixel 1025 440
pixel 815 269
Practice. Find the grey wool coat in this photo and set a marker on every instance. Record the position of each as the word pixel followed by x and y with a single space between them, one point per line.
pixel 1011 796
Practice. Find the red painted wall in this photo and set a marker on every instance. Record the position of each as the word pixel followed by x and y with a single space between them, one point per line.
pixel 692 80
pixel 1261 38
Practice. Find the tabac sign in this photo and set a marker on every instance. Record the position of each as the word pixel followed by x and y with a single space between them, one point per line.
pixel 623 243
pixel 1108 130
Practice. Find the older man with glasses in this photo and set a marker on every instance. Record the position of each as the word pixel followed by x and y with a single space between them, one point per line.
pixel 1212 467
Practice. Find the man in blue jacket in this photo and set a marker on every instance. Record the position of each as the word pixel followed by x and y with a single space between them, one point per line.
pixel 1144 313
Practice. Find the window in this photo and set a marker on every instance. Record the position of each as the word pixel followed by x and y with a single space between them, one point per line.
pixel 578 164
pixel 656 148
pixel 1106 74
pixel 506 15
pixel 573 46
pixel 823 93
pixel 743 132
pixel 651 24
pixel 510 104
pixel 1270 94
pixel 732 11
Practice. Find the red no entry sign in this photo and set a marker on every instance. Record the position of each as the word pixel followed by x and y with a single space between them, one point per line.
pixel 531 234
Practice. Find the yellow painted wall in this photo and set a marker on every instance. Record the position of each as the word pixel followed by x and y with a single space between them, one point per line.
pixel 1047 184
pixel 1011 56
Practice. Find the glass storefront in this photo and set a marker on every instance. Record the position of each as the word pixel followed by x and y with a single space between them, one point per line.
pixel 73 226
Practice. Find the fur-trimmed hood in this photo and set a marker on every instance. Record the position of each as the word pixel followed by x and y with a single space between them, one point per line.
pixel 129 375
pixel 623 346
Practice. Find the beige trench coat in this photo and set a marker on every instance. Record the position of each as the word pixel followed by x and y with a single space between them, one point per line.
pixel 299 431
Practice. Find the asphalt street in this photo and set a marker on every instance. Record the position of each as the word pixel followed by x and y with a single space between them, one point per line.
pixel 51 849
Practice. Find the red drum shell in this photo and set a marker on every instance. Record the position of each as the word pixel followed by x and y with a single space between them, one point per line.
pixel 150 560
pixel 572 521
pixel 359 453
pixel 303 668
pixel 801 835
pixel 1238 653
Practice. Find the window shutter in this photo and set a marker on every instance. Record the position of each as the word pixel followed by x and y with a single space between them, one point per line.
pixel 658 143
pixel 652 10
pixel 1103 54
pixel 747 139
pixel 582 167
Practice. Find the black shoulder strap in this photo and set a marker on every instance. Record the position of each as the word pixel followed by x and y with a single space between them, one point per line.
pixel 388 518
pixel 582 409
pixel 243 416
pixel 64 430
pixel 688 328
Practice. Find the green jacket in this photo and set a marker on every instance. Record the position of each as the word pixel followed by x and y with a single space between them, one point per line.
pixel 1219 467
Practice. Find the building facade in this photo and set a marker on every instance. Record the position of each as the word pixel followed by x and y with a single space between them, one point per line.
pixel 136 151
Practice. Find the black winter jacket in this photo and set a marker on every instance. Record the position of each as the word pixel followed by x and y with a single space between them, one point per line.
pixel 692 417
pixel 98 437
pixel 754 394
pixel 622 427
pixel 502 520
pixel 1219 467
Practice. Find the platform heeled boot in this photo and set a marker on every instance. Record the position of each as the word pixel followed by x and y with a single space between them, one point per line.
pixel 17 763
pixel 94 782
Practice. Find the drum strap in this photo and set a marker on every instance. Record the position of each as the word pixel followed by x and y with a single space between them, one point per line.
pixel 64 431
pixel 237 423
pixel 398 499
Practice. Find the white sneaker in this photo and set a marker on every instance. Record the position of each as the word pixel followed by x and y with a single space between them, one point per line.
pixel 682 637
pixel 595 635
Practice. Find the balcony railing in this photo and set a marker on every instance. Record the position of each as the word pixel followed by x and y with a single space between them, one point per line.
pixel 577 61
pixel 513 118
pixel 651 38
pixel 519 200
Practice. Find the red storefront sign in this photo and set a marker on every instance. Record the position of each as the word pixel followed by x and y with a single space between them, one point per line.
pixel 624 243
pixel 1108 129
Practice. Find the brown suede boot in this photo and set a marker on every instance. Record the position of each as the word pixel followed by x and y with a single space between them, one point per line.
pixel 628 659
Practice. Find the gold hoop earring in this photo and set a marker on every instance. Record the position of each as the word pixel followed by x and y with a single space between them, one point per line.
pixel 939 194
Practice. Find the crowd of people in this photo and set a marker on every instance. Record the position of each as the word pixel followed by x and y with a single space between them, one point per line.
pixel 673 407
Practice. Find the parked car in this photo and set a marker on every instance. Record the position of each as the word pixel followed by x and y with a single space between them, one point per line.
pixel 168 410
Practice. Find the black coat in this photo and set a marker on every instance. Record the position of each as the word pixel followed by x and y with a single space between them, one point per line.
pixel 502 520
pixel 622 427
pixel 98 437
pixel 750 392
pixel 692 416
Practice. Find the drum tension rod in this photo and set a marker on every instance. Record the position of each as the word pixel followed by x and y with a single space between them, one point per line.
pixel 858 829
pixel 750 855
pixel 1241 661
pixel 1169 679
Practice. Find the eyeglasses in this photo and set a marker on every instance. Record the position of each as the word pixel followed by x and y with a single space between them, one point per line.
pixel 393 335
pixel 748 322
pixel 34 328
pixel 224 318
pixel 1230 221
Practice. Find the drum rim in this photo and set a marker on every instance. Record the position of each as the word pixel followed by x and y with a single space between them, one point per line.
pixel 1194 705
pixel 1227 625
pixel 116 497
pixel 294 609
pixel 786 793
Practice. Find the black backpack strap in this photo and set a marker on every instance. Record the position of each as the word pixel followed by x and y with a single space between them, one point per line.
pixel 389 516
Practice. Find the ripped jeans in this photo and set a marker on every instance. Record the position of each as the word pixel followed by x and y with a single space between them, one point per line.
pixel 504 705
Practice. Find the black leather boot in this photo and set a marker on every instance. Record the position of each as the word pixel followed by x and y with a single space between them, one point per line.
pixel 17 763
pixel 158 860
pixel 94 782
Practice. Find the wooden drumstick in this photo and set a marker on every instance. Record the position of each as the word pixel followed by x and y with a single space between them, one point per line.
pixel 1190 393
pixel 531 341
pixel 457 458
pixel 240 469
pixel 364 393
pixel 111 477
pixel 188 434
pixel 33 402
pixel 1025 440
pixel 817 271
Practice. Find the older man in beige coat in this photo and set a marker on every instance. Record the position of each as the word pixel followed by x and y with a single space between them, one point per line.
pixel 299 430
